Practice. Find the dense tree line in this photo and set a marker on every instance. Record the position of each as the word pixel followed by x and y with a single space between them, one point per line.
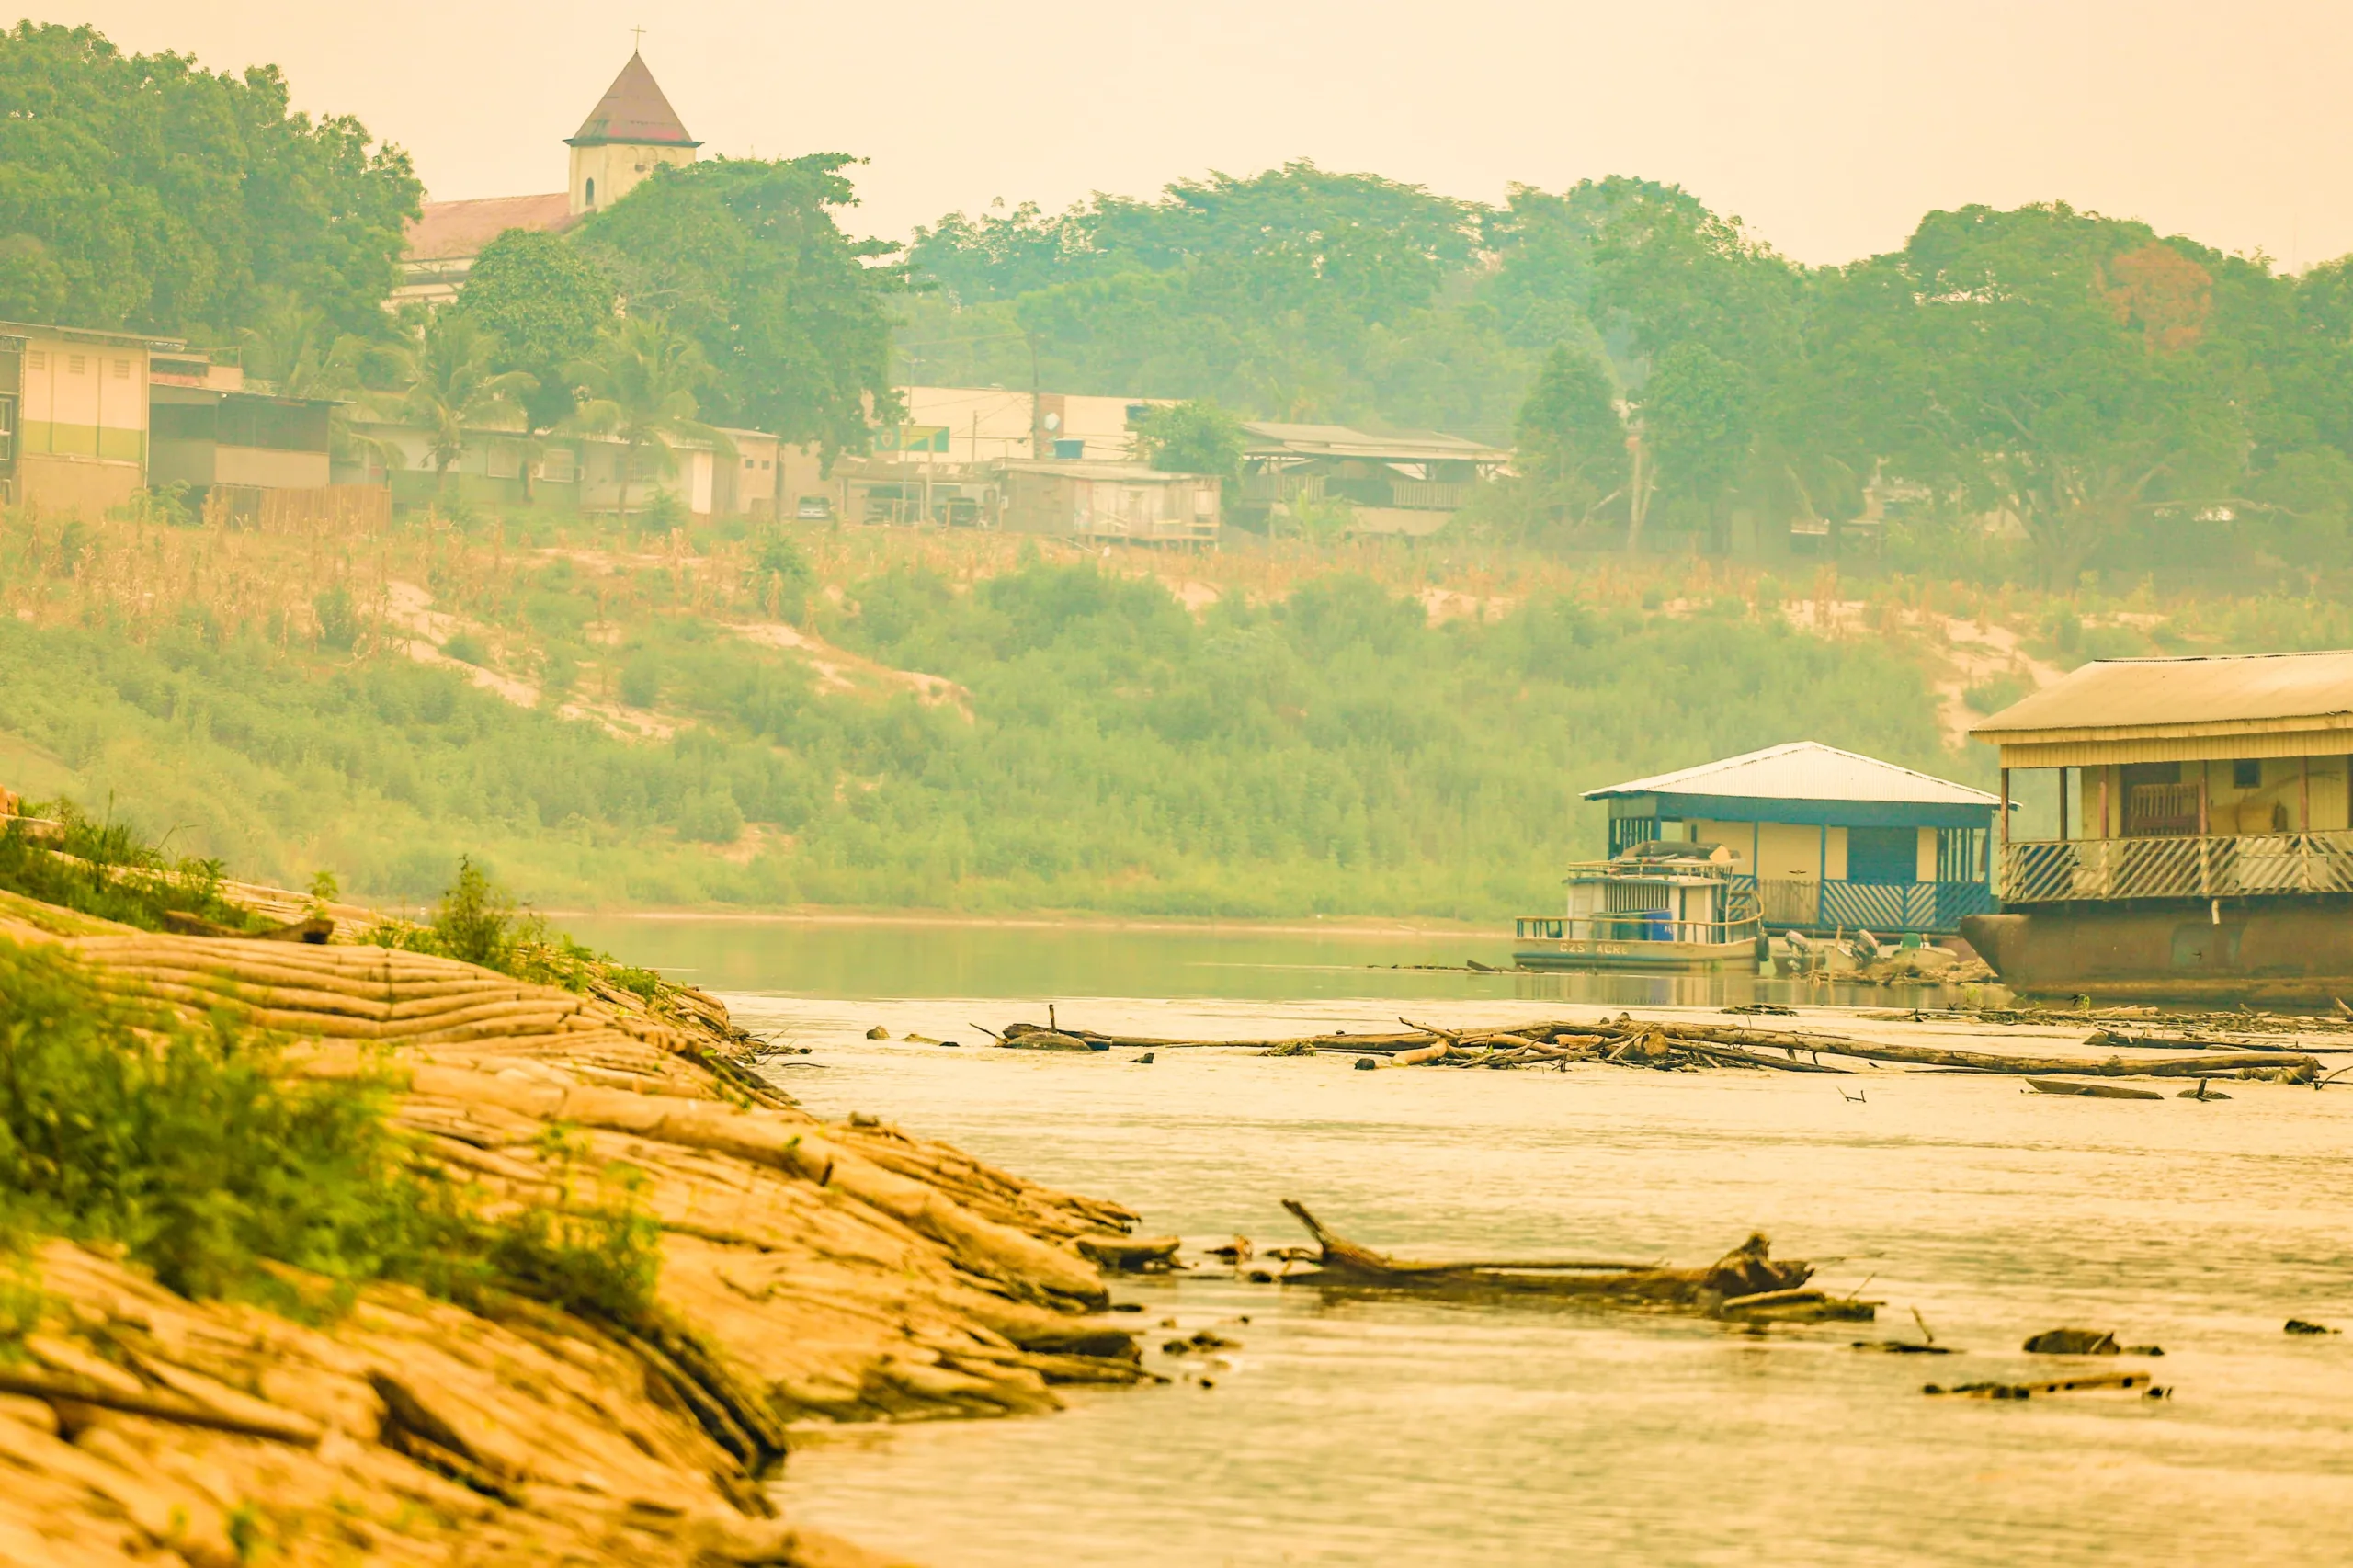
pixel 2102 393
pixel 144 192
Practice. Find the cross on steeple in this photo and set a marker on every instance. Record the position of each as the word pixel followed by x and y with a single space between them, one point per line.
pixel 637 40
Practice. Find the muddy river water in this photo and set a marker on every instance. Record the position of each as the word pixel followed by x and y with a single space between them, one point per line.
pixel 1386 1431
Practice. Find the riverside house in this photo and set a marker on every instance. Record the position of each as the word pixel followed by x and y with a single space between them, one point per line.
pixel 1828 839
pixel 2196 778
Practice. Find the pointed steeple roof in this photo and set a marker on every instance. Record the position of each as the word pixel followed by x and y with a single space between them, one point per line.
pixel 635 112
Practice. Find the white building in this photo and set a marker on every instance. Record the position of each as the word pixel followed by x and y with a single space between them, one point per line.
pixel 975 424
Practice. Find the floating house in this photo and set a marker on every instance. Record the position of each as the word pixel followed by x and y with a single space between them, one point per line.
pixel 2178 828
pixel 1826 838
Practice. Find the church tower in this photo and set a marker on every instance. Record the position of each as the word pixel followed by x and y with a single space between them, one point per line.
pixel 631 132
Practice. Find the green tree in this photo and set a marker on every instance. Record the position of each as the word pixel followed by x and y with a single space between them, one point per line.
pixel 745 258
pixel 144 191
pixel 1572 444
pixel 450 387
pixel 292 350
pixel 2066 378
pixel 1698 423
pixel 1194 436
pixel 1296 293
pixel 643 386
pixel 547 302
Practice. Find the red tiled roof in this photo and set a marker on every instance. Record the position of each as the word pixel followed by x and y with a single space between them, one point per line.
pixel 447 229
pixel 633 110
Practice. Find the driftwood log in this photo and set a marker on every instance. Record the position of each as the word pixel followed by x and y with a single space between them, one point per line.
pixel 1748 1271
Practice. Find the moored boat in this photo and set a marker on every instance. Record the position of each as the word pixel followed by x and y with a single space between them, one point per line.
pixel 1656 906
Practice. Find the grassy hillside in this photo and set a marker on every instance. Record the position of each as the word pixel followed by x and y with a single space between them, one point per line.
pixel 854 717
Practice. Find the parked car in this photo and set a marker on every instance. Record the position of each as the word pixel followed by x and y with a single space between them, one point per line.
pixel 814 509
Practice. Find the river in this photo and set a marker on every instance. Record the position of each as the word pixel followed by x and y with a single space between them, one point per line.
pixel 1356 1431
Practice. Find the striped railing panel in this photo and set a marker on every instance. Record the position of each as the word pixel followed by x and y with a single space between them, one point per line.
pixel 2048 871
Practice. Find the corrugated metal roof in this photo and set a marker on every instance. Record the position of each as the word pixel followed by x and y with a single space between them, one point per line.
pixel 1093 468
pixel 633 112
pixel 2176 696
pixel 1271 439
pixel 1804 770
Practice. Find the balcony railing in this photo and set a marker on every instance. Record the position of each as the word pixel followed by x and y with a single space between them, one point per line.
pixel 1890 907
pixel 1631 926
pixel 2055 871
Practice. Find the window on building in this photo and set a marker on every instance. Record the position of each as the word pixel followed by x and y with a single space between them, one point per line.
pixel 2246 775
pixel 1882 854
pixel 122 369
pixel 37 360
pixel 591 200
pixel 75 364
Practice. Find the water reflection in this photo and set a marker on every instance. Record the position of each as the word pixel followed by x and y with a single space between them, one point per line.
pixel 884 958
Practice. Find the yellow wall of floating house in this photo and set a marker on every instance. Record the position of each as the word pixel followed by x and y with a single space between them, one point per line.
pixel 1784 850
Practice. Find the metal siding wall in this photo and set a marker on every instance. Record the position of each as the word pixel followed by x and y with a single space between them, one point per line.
pixel 2310 742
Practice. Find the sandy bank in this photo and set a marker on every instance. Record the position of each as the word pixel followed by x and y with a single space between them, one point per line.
pixel 843 1270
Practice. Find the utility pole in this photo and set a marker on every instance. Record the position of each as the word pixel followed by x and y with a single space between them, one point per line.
pixel 1036 419
pixel 1638 499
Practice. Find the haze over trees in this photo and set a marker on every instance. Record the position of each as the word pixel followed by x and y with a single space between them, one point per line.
pixel 2107 398
pixel 2109 394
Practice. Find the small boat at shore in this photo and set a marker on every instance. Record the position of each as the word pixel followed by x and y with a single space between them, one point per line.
pixel 1660 906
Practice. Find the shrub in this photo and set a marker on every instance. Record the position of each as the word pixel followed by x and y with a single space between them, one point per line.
pixel 187 1149
pixel 712 817
pixel 479 922
pixel 781 578
pixel 467 649
pixel 339 617
pixel 106 868
pixel 1996 694
pixel 594 1253
pixel 184 1149
pixel 642 681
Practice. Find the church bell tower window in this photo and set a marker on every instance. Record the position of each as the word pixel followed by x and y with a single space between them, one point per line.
pixel 592 191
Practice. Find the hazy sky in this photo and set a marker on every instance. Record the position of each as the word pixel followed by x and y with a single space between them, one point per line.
pixel 1829 126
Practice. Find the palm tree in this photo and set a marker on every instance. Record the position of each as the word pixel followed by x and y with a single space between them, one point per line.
pixel 450 390
pixel 291 351
pixel 642 386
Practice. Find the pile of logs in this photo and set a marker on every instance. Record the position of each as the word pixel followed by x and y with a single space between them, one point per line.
pixel 1686 1044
